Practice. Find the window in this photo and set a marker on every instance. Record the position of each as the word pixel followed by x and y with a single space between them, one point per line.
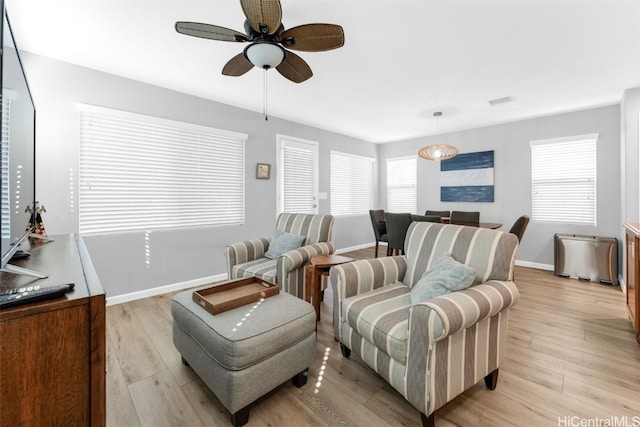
pixel 297 175
pixel 140 173
pixel 563 180
pixel 351 184
pixel 401 184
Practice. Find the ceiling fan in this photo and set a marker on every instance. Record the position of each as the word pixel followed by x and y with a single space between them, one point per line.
pixel 268 40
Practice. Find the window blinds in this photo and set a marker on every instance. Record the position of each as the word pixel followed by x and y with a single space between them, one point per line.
pixel 5 203
pixel 563 180
pixel 351 184
pixel 401 184
pixel 298 182
pixel 140 173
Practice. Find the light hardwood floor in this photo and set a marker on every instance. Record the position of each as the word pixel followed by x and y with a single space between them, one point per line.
pixel 571 358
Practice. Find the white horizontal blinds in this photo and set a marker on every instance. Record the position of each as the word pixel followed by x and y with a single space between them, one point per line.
pixel 351 184
pixel 401 184
pixel 299 181
pixel 141 173
pixel 563 180
pixel 5 204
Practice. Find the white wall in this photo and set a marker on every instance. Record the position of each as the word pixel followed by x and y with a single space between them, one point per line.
pixel 173 256
pixel 510 143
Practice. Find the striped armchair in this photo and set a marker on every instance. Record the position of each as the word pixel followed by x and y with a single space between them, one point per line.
pixel 246 259
pixel 431 351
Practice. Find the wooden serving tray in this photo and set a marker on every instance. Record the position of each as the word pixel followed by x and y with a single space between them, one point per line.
pixel 230 295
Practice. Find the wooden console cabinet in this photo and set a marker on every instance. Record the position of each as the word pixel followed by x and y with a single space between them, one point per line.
pixel 633 275
pixel 52 353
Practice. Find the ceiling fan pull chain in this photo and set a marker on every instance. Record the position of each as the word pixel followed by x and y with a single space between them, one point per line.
pixel 264 100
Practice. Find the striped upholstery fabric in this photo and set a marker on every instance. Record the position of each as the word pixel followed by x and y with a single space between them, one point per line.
pixel 361 276
pixel 246 259
pixel 432 351
pixel 316 228
pixel 263 268
pixel 291 265
pixel 390 369
pixel 382 318
pixel 490 252
pixel 465 334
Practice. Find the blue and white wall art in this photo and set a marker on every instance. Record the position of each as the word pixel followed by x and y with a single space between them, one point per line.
pixel 467 177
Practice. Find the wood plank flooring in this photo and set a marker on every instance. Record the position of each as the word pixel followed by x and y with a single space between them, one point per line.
pixel 571 356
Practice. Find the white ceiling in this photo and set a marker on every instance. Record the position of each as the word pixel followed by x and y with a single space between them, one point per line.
pixel 402 60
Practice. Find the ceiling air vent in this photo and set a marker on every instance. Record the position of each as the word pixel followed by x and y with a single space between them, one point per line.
pixel 500 101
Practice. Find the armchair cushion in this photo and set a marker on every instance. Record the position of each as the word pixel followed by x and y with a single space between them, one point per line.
pixel 263 268
pixel 283 242
pixel 381 316
pixel 445 275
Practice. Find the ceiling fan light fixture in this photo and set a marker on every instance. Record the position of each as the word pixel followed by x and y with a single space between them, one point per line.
pixel 438 152
pixel 264 55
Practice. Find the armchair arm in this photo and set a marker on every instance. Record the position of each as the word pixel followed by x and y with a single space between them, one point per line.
pixel 296 258
pixel 361 276
pixel 290 265
pixel 247 250
pixel 455 340
pixel 460 310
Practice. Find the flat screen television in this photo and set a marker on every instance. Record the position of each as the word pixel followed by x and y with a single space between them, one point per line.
pixel 18 189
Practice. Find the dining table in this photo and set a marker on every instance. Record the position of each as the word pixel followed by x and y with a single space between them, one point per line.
pixel 482 224
pixel 492 225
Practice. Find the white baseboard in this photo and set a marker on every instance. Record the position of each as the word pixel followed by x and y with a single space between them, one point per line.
pixel 536 265
pixel 358 247
pixel 120 299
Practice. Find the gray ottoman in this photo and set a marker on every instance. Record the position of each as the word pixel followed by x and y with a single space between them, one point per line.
pixel 244 353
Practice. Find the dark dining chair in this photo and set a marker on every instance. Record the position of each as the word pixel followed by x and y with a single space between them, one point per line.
pixel 397 226
pixel 425 218
pixel 520 226
pixel 441 214
pixel 379 226
pixel 465 218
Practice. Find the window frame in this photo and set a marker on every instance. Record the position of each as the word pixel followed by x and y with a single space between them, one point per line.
pixel 556 165
pixel 352 185
pixel 410 186
pixel 283 143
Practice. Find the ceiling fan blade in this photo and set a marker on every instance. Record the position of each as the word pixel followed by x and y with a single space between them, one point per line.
pixel 264 16
pixel 294 68
pixel 208 31
pixel 313 37
pixel 237 66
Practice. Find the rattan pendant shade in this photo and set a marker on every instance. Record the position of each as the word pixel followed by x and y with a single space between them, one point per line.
pixel 438 152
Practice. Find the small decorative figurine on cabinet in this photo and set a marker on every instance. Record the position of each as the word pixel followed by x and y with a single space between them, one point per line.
pixel 35 221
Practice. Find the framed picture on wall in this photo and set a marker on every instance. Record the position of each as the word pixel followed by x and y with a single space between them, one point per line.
pixel 263 171
pixel 468 177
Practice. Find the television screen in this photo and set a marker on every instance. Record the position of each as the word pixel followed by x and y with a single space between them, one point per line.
pixel 18 148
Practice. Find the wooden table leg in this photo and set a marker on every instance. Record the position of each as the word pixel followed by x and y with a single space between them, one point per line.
pixel 308 278
pixel 315 283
